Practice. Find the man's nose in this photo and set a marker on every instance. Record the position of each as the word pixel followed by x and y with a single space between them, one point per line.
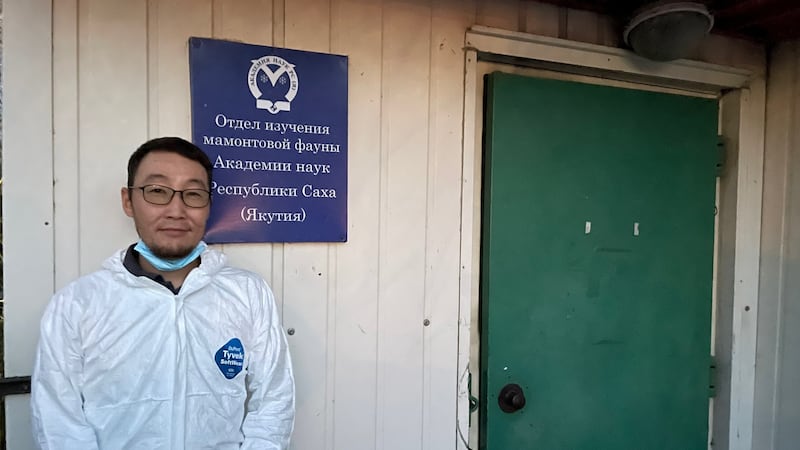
pixel 176 207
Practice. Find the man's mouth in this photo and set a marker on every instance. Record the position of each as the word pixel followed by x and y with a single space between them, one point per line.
pixel 174 231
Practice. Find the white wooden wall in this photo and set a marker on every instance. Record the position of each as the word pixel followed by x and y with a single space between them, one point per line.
pixel 370 374
pixel 777 396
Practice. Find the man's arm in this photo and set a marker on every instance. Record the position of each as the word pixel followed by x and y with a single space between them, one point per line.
pixel 58 418
pixel 269 416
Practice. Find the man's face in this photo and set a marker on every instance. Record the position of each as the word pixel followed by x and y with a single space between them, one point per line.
pixel 172 230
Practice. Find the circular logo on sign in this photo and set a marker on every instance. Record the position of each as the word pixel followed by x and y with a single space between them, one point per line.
pixel 274 73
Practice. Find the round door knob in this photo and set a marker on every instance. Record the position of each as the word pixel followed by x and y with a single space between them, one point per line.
pixel 511 398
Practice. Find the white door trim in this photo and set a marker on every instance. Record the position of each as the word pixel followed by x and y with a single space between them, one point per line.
pixel 484 43
pixel 590 56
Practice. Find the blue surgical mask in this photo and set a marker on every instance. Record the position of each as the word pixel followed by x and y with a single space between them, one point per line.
pixel 168 265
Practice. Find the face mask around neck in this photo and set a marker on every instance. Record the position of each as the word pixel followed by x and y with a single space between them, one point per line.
pixel 168 265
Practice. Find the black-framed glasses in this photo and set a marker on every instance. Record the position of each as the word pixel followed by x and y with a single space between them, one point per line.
pixel 162 195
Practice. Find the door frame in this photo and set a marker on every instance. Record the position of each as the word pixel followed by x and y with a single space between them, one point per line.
pixel 742 123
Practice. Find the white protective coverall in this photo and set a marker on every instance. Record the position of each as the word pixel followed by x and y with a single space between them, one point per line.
pixel 123 363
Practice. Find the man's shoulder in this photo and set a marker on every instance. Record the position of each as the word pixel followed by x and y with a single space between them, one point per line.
pixel 99 279
pixel 93 280
pixel 82 293
pixel 239 274
pixel 238 279
pixel 217 270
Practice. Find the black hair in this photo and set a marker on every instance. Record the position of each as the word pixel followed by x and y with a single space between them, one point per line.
pixel 170 145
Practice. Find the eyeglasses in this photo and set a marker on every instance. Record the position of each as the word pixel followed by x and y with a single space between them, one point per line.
pixel 162 195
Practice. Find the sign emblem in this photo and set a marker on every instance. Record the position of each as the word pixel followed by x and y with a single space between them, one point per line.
pixel 230 358
pixel 278 72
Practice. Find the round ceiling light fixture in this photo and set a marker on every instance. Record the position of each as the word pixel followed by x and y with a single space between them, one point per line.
pixel 668 31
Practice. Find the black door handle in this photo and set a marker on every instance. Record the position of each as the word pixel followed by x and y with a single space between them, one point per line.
pixel 511 398
pixel 15 386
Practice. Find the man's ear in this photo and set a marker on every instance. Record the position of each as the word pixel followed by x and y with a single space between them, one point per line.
pixel 127 204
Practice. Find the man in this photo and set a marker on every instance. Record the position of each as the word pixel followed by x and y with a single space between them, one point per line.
pixel 165 347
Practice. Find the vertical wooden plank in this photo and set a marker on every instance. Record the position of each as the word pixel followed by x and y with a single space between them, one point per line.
pixel 248 21
pixel 609 31
pixel 306 311
pixel 113 115
pixel 406 70
pixel 783 98
pixel 573 24
pixel 469 276
pixel 730 51
pixel 171 23
pixel 450 19
pixel 65 142
pixel 153 44
pixel 582 26
pixel 356 307
pixel 786 411
pixel 27 194
pixel 307 25
pixel 782 101
pixel 542 19
pixel 550 20
pixel 307 271
pixel 503 14
pixel 278 22
pixel 27 178
pixel 748 241
pixel 714 48
pixel 278 39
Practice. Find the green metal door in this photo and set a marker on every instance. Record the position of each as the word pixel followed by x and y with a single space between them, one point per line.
pixel 597 254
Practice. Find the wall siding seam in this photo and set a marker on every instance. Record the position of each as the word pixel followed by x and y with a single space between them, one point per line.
pixel 382 224
pixel 278 249
pixel 330 388
pixel 215 11
pixel 330 410
pixel 151 13
pixel 78 253
pixel 429 198
pixel 278 23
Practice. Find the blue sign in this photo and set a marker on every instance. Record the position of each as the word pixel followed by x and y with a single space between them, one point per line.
pixel 273 121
